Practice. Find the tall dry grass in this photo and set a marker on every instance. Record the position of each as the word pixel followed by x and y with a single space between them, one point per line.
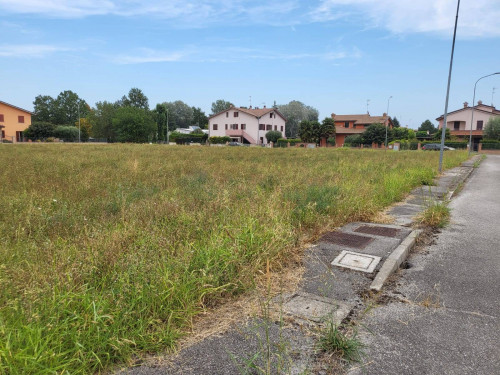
pixel 109 251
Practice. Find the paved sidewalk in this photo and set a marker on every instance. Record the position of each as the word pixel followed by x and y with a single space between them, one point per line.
pixel 447 319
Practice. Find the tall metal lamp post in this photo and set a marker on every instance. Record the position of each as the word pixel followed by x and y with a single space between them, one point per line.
pixel 168 142
pixel 387 125
pixel 472 116
pixel 79 124
pixel 443 131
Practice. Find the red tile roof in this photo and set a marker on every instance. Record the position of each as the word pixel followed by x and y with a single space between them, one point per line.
pixel 361 119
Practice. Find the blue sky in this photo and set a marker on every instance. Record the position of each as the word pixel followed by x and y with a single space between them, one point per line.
pixel 330 54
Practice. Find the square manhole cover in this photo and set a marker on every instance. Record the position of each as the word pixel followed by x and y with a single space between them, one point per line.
pixel 378 231
pixel 315 308
pixel 347 239
pixel 356 261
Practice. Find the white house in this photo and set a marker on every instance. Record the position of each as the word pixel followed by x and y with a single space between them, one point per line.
pixel 190 129
pixel 459 121
pixel 246 125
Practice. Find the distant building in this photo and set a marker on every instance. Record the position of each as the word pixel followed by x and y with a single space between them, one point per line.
pixel 346 125
pixel 13 121
pixel 459 121
pixel 246 125
pixel 190 129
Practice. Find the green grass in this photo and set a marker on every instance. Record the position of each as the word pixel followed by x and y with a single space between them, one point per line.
pixel 333 340
pixel 108 251
pixel 437 215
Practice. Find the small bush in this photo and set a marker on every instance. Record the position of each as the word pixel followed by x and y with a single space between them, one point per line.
pixel 353 140
pixel 273 136
pixel 334 341
pixel 331 141
pixel 282 142
pixel 219 140
pixel 436 216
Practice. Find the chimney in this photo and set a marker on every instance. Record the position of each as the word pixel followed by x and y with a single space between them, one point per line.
pixel 385 114
pixel 333 115
pixel 479 102
pixel 466 105
pixel 250 107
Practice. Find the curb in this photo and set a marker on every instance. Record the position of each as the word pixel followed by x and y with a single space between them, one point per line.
pixel 392 263
pixel 463 178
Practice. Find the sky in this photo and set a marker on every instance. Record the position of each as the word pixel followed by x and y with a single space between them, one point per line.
pixel 335 55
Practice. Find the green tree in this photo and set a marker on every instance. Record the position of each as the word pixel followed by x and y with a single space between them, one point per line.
pixel 375 133
pixel 101 119
pixel 327 128
pixel 180 115
pixel 160 116
pixel 447 135
pixel 309 131
pixel 66 107
pixel 492 129
pixel 199 118
pixel 135 98
pixel 132 124
pixel 353 140
pixel 395 122
pixel 295 112
pixel 39 130
pixel 44 108
pixel 220 105
pixel 273 136
pixel 427 125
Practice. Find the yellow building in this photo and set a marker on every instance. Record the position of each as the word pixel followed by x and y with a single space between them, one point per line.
pixel 13 121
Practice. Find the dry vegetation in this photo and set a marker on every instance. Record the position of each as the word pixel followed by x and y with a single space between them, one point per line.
pixel 107 251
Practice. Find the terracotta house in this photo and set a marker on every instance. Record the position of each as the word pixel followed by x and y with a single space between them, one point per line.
pixel 246 125
pixel 459 121
pixel 13 121
pixel 356 124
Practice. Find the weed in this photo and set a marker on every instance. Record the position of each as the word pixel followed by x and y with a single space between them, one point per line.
pixel 334 341
pixel 437 215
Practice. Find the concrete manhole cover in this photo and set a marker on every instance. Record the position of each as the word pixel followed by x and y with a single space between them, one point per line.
pixel 346 239
pixel 316 308
pixel 356 261
pixel 378 231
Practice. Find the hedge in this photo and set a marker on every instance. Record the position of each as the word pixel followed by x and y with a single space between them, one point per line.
pixel 183 139
pixel 489 144
pixel 219 140
pixel 282 142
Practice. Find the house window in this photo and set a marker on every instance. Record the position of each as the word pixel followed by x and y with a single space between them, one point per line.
pixel 456 125
pixel 346 124
pixel 19 136
pixel 480 125
pixel 20 119
pixel 261 140
pixel 235 114
pixel 271 115
pixel 282 129
pixel 275 127
pixel 262 127
pixel 215 127
pixel 227 114
pixel 243 126
pixel 1 118
pixel 233 126
pixel 269 127
pixel 226 126
pixel 354 126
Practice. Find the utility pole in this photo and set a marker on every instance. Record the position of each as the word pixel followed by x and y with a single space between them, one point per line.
pixel 79 124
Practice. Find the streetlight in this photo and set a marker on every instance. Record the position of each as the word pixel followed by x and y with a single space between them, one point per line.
pixel 167 127
pixel 79 124
pixel 387 125
pixel 472 116
pixel 443 131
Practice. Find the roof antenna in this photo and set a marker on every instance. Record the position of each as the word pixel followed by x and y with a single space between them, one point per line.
pixel 492 95
pixel 250 102
pixel 367 105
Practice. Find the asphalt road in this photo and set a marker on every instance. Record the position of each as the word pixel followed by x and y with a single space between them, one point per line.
pixel 451 324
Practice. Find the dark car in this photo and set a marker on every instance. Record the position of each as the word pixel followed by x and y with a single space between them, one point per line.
pixel 435 147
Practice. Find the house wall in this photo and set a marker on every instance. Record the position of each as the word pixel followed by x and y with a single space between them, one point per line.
pixel 252 125
pixel 11 123
pixel 465 117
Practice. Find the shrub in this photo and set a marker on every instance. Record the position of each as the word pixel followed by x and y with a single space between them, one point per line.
pixel 39 130
pixel 219 140
pixel 183 139
pixel 282 142
pixel 492 129
pixel 273 136
pixel 67 133
pixel 353 140
pixel 331 141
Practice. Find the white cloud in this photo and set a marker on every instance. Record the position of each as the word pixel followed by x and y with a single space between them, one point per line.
pixel 29 50
pixel 476 18
pixel 147 55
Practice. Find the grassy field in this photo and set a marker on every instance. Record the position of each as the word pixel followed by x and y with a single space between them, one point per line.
pixel 107 251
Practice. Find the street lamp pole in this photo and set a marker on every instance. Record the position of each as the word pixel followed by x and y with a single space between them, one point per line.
pixel 79 124
pixel 387 124
pixel 472 116
pixel 167 129
pixel 443 131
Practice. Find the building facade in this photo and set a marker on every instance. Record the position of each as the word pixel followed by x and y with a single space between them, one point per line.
pixel 346 125
pixel 246 125
pixel 13 121
pixel 459 121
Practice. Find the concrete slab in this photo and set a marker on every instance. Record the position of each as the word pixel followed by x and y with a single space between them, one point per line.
pixel 315 308
pixel 355 227
pixel 356 261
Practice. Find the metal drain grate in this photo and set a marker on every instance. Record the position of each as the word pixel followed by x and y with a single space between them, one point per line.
pixel 347 239
pixel 378 231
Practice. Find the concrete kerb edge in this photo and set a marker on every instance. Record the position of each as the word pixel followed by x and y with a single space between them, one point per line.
pixel 392 263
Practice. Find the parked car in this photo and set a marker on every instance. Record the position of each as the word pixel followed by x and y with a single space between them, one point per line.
pixel 235 144
pixel 436 147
